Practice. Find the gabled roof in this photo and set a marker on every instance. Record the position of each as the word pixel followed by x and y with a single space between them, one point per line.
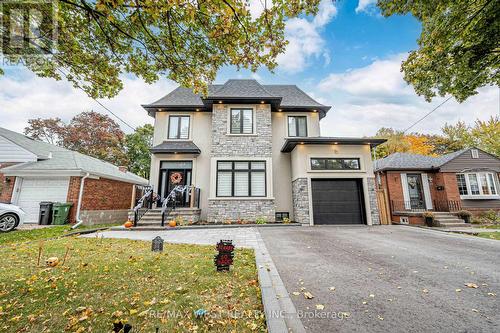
pixel 174 147
pixel 405 161
pixel 279 96
pixel 53 158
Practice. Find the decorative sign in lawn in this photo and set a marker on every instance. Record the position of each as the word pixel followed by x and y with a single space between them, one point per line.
pixel 157 244
pixel 224 258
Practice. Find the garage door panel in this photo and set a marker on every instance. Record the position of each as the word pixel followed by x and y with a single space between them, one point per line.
pixel 35 190
pixel 337 201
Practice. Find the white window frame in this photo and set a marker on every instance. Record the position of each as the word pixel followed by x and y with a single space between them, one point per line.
pixel 481 194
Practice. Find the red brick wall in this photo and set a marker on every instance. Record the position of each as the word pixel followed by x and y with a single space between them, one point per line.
pixel 6 184
pixel 99 194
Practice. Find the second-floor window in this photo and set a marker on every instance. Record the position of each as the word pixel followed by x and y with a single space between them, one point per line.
pixel 241 121
pixel 178 127
pixel 297 126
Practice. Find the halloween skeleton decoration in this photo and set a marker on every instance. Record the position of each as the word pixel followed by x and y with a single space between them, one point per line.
pixel 176 177
pixel 52 261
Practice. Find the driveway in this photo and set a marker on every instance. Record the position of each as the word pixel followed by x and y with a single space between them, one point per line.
pixel 389 278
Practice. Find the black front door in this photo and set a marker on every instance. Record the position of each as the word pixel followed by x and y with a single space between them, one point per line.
pixel 415 191
pixel 169 179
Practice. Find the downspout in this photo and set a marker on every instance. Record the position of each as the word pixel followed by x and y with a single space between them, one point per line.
pixel 80 196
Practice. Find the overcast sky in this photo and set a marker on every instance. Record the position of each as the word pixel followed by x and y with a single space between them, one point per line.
pixel 348 56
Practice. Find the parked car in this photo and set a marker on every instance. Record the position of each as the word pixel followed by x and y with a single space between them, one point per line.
pixel 11 217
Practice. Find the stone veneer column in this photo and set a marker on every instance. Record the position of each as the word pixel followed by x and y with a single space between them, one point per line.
pixel 255 146
pixel 300 198
pixel 372 195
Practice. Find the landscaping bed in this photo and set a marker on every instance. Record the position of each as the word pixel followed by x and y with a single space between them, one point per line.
pixel 107 280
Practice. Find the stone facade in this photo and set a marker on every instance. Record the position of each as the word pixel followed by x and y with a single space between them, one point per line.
pixel 233 210
pixel 372 196
pixel 259 145
pixel 300 198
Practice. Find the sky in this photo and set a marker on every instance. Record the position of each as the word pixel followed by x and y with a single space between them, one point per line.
pixel 348 56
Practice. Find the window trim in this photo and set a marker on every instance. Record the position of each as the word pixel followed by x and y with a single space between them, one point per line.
pixel 481 195
pixel 179 127
pixel 249 171
pixel 296 128
pixel 241 121
pixel 359 169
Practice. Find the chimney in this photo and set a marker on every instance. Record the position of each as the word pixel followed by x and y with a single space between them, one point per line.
pixel 123 168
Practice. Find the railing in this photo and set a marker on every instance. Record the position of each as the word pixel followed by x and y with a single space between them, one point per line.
pixel 144 204
pixel 419 206
pixel 192 192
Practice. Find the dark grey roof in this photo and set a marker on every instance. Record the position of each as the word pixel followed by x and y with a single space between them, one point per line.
pixel 289 95
pixel 405 161
pixel 291 143
pixel 55 158
pixel 242 88
pixel 174 147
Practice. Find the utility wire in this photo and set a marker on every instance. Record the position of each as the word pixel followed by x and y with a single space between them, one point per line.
pixel 446 100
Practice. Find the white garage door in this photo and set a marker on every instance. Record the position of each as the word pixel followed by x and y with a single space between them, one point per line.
pixel 35 190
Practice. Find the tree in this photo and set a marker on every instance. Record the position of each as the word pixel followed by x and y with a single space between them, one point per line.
pixel 395 142
pixel 457 136
pixel 137 145
pixel 185 40
pixel 89 133
pixel 97 135
pixel 459 47
pixel 49 130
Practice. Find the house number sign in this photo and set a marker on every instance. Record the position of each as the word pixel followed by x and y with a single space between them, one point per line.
pixel 224 259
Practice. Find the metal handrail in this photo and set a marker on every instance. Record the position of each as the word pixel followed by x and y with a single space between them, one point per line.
pixel 171 195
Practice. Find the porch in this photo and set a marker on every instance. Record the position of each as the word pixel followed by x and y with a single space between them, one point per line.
pixel 400 207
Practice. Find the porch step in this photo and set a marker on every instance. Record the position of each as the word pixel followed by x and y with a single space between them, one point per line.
pixel 454 225
pixel 153 216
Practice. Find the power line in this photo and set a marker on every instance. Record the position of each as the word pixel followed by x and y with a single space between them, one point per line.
pixel 446 100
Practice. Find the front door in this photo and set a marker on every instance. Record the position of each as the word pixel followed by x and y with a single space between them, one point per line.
pixel 169 179
pixel 415 191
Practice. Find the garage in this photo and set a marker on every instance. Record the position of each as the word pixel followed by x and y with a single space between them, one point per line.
pixel 337 201
pixel 35 190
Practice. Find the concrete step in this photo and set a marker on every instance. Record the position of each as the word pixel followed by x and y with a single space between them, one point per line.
pixel 455 220
pixel 455 225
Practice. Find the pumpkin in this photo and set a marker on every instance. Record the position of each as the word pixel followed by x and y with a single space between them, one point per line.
pixel 52 261
pixel 128 224
pixel 172 223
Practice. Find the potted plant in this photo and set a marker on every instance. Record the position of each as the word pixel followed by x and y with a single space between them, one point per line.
pixel 286 220
pixel 465 215
pixel 429 219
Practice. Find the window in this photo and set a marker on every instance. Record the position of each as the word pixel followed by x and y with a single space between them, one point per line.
pixel 462 185
pixel 178 127
pixel 279 216
pixel 335 164
pixel 241 179
pixel 474 153
pixel 241 121
pixel 297 126
pixel 477 184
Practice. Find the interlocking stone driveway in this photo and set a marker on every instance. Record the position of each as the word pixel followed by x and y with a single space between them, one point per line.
pixel 390 278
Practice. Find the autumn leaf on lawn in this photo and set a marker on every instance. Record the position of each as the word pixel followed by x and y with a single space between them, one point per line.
pixel 471 285
pixel 308 295
pixel 320 306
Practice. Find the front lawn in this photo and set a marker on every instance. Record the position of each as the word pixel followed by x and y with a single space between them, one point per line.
pixel 490 235
pixel 492 226
pixel 23 235
pixel 108 280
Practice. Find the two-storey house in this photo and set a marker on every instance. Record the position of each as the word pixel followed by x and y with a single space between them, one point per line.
pixel 255 151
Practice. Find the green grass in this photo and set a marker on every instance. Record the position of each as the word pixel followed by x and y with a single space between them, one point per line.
pixel 490 235
pixel 20 236
pixel 494 226
pixel 105 280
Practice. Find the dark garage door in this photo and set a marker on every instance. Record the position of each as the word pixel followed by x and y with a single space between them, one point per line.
pixel 337 201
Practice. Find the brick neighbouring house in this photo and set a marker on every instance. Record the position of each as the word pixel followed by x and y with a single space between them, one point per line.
pixel 416 183
pixel 32 171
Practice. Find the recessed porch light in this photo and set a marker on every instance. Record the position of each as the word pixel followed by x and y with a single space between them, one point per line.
pixel 262 102
pixel 220 102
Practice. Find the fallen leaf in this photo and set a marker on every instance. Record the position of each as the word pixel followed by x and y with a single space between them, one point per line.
pixel 320 306
pixel 425 291
pixel 471 285
pixel 474 310
pixel 308 295
pixel 492 294
pixel 296 293
pixel 372 296
pixel 458 290
pixel 380 317
pixel 332 288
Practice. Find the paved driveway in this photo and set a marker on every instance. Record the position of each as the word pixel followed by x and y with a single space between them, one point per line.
pixel 390 278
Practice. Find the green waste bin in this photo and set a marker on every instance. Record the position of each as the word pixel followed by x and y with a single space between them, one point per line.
pixel 60 212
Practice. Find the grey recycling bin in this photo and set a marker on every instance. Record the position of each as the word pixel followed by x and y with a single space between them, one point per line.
pixel 45 215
